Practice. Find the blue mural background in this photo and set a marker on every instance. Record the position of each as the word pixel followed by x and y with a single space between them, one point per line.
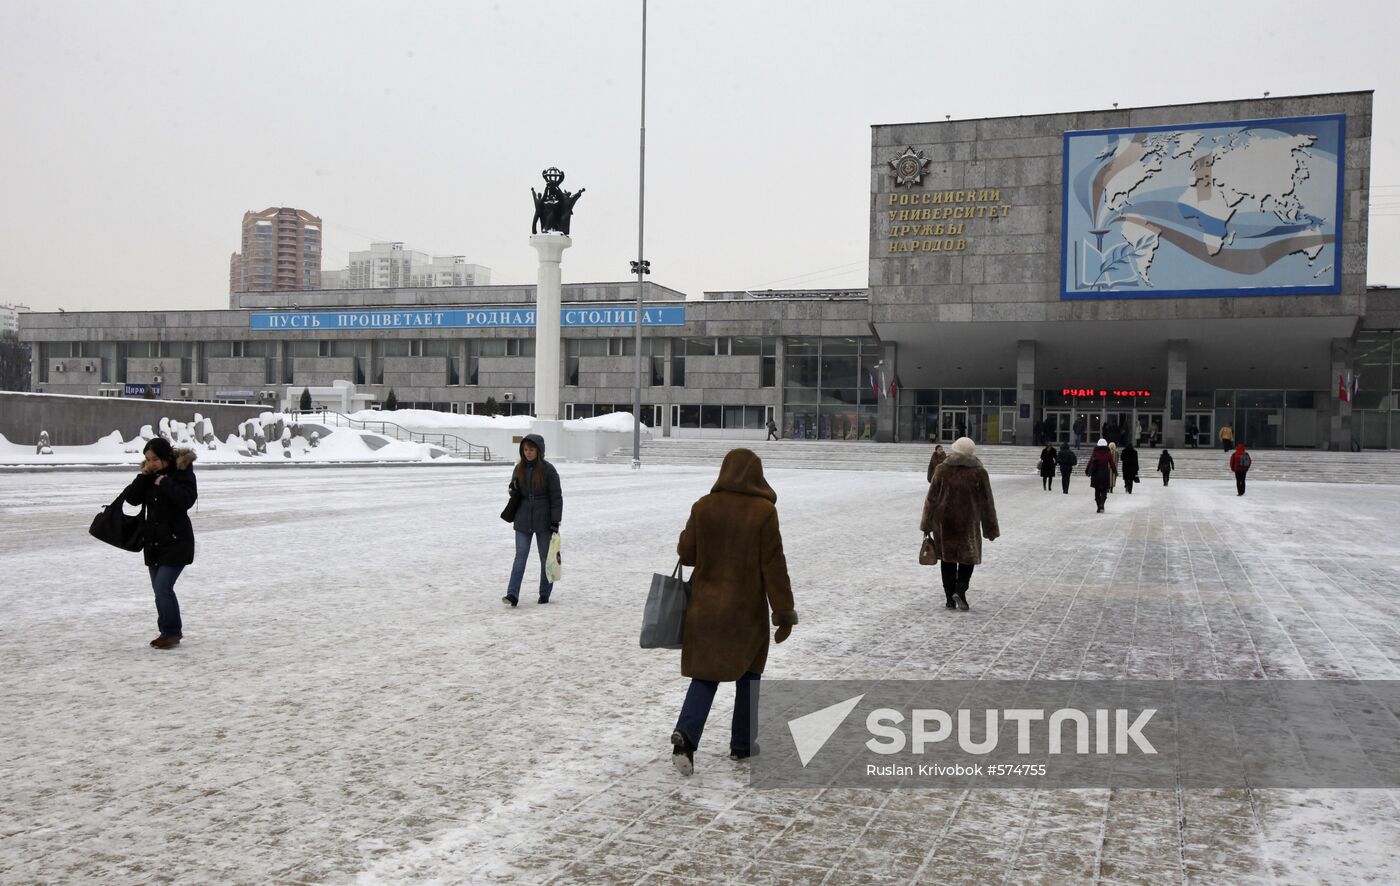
pixel 1210 209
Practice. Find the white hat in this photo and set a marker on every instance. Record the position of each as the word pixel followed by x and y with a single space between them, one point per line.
pixel 1102 442
pixel 964 446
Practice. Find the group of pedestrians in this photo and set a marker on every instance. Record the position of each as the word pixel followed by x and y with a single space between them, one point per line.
pixel 739 584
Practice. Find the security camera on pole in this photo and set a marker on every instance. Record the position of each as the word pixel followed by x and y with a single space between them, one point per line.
pixel 553 212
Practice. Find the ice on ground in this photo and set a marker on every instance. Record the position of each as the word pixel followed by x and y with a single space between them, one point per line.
pixel 352 702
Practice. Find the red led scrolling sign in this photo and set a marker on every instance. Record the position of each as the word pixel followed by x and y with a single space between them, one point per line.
pixel 1096 392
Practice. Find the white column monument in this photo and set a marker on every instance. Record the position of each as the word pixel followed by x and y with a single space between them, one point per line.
pixel 547 358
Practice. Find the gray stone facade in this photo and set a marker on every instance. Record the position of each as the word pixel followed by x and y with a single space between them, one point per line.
pixel 961 311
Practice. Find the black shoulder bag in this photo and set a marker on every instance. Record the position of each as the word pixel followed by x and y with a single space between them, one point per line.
pixel 113 526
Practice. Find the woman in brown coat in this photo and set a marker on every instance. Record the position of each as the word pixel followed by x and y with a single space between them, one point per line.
pixel 937 459
pixel 733 542
pixel 958 514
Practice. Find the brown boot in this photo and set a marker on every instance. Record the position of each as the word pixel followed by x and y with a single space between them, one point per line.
pixel 166 642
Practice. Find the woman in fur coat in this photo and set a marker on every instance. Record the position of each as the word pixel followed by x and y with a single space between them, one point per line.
pixel 958 513
pixel 935 460
pixel 167 489
pixel 732 540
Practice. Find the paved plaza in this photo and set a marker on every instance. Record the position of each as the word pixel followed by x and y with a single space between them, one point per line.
pixel 352 703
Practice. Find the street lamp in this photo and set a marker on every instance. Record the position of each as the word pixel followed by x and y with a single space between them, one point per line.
pixel 641 266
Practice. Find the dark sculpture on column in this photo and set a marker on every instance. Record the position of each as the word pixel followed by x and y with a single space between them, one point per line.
pixel 555 207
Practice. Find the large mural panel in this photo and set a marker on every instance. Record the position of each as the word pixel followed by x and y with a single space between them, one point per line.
pixel 1210 209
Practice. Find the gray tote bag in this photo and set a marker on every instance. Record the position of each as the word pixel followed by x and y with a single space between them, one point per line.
pixel 663 621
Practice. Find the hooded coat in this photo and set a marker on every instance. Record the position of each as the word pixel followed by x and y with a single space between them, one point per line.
pixel 167 533
pixel 732 540
pixel 537 484
pixel 1048 461
pixel 1101 470
pixel 1066 458
pixel 959 511
pixel 1165 462
pixel 1235 459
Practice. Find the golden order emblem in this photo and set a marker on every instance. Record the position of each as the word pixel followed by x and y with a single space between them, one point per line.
pixel 909 168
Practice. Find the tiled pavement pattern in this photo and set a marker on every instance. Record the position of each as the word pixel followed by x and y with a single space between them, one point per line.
pixel 353 704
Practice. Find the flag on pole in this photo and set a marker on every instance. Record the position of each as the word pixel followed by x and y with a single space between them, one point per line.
pixel 882 387
pixel 874 386
pixel 894 384
pixel 1342 387
pixel 1355 386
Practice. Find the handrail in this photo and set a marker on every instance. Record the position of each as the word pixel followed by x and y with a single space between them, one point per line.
pixel 456 445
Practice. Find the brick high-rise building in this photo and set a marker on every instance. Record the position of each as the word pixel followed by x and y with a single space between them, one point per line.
pixel 281 252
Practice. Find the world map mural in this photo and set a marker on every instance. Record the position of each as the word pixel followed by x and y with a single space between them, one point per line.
pixel 1241 208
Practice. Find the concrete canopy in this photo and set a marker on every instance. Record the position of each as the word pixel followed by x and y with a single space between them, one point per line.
pixel 1263 352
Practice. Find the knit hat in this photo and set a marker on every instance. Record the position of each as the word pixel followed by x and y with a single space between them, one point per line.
pixel 964 446
pixel 1102 442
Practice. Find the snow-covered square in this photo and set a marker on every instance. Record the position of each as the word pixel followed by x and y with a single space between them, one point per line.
pixel 353 703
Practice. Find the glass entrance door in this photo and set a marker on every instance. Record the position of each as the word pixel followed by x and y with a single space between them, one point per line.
pixel 952 424
pixel 1057 425
pixel 1204 424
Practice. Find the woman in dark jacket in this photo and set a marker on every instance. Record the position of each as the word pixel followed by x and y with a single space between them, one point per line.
pixel 958 514
pixel 732 540
pixel 1165 464
pixel 1101 472
pixel 1065 459
pixel 1047 467
pixel 166 488
pixel 1129 459
pixel 541 506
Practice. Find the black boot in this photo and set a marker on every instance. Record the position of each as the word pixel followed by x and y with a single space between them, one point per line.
pixel 960 597
pixel 682 753
pixel 951 604
pixel 509 600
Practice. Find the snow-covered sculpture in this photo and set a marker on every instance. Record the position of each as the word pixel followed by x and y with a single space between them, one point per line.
pixel 43 447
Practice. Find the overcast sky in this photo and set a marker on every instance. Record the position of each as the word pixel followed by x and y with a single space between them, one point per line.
pixel 137 133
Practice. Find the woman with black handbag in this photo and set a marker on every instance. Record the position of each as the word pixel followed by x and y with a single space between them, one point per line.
pixel 740 577
pixel 166 488
pixel 536 506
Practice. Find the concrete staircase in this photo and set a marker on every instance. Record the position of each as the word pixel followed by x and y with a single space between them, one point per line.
pixel 1302 465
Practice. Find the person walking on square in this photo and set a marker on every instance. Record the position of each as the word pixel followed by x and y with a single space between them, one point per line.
pixel 1047 468
pixel 1066 460
pixel 1154 435
pixel 1128 459
pixel 1240 463
pixel 1100 471
pixel 536 482
pixel 733 541
pixel 1227 438
pixel 1113 451
pixel 167 488
pixel 772 430
pixel 958 513
pixel 935 460
pixel 1165 465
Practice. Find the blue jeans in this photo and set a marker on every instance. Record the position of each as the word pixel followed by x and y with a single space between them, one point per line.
pixel 522 556
pixel 701 696
pixel 167 606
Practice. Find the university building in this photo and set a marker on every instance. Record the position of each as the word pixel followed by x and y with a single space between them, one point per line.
pixel 1173 268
